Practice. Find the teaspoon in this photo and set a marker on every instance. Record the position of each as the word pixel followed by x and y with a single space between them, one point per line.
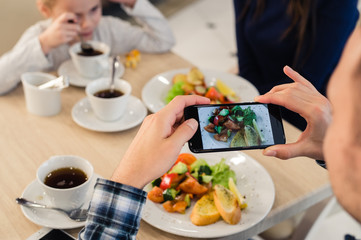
pixel 85 47
pixel 77 214
pixel 57 83
pixel 115 66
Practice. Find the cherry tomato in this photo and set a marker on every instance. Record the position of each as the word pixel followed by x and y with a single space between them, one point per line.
pixel 186 158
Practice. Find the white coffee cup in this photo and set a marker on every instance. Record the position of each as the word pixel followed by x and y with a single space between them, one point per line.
pixel 90 66
pixel 42 102
pixel 67 198
pixel 108 109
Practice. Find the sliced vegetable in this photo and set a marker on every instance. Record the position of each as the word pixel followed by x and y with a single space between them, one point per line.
pixel 186 158
pixel 179 168
pixel 168 206
pixel 180 206
pixel 255 126
pixel 204 169
pixel 212 93
pixel 190 185
pixel 156 182
pixel 224 89
pixel 167 180
pixel 175 206
pixel 197 164
pixel 206 178
pixel 200 90
pixel 238 139
pixel 224 112
pixel 187 199
pixel 240 198
pixel 156 195
pixel 219 129
pixel 251 136
pixel 169 194
pixel 239 118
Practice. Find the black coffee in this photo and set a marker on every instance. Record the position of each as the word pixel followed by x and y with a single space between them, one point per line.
pixel 108 93
pixel 92 52
pixel 67 177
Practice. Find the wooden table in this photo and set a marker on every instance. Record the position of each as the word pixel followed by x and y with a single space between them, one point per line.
pixel 27 140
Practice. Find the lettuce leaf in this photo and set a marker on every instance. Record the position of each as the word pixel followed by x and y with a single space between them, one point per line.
pixel 174 91
pixel 221 173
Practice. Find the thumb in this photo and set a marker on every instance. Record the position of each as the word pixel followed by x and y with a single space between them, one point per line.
pixel 283 151
pixel 185 131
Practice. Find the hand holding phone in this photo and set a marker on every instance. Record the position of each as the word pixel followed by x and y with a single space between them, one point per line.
pixel 236 126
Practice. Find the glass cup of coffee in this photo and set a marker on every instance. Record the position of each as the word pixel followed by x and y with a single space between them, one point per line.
pixel 108 105
pixel 65 180
pixel 90 64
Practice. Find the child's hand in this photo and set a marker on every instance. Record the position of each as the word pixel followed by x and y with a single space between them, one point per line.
pixel 129 3
pixel 61 31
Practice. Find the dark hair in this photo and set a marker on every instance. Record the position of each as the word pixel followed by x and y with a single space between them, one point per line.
pixel 303 21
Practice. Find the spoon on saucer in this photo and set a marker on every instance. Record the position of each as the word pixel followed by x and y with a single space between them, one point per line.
pixel 77 214
pixel 115 66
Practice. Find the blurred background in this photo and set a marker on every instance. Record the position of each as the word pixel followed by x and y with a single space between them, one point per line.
pixel 204 31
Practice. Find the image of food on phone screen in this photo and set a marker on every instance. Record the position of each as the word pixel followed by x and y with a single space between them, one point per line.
pixel 236 126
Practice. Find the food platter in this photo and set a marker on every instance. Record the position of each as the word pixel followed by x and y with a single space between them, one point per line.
pixel 155 90
pixel 253 181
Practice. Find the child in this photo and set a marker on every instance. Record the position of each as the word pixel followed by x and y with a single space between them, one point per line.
pixel 44 46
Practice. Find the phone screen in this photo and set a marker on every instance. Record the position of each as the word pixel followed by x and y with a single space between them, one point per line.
pixel 56 234
pixel 235 126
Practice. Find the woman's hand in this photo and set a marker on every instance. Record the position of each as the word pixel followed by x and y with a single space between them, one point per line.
pixel 303 98
pixel 158 142
pixel 60 31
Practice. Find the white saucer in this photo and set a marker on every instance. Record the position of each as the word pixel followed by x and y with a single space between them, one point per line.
pixel 84 116
pixel 51 218
pixel 67 68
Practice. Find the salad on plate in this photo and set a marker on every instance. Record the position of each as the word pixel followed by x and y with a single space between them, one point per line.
pixel 211 188
pixel 193 82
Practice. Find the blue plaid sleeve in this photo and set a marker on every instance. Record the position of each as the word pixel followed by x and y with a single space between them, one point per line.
pixel 114 211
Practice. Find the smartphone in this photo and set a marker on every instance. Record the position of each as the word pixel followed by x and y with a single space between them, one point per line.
pixel 50 234
pixel 235 126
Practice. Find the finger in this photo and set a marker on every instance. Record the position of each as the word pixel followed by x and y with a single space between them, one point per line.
pixel 295 102
pixel 68 17
pixel 280 88
pixel 284 151
pixel 175 109
pixel 71 28
pixel 184 132
pixel 295 76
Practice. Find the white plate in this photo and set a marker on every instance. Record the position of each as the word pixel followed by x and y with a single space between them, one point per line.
pixel 253 181
pixel 155 90
pixel 51 218
pixel 83 115
pixel 67 68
